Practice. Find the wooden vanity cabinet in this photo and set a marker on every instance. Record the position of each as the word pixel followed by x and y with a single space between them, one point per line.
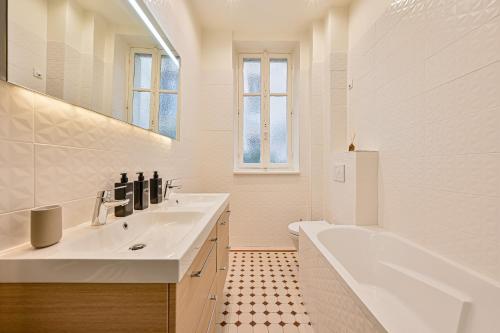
pixel 196 300
pixel 190 306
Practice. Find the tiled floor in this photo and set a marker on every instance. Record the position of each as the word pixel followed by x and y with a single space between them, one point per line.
pixel 262 295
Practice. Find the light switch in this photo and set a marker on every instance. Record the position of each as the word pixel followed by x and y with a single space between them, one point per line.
pixel 339 173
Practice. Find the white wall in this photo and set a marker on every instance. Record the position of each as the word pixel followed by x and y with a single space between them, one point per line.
pixel 262 205
pixel 55 153
pixel 181 27
pixel 28 42
pixel 72 48
pixel 363 15
pixel 427 96
pixel 119 86
pixel 334 96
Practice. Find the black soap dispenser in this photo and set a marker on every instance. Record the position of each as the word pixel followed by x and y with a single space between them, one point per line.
pixel 141 192
pixel 124 190
pixel 156 189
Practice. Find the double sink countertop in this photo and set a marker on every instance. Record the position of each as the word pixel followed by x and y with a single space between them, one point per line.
pixel 172 232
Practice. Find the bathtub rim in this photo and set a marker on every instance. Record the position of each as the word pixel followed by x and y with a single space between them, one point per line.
pixel 312 232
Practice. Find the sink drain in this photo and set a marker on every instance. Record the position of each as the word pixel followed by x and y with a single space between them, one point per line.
pixel 136 247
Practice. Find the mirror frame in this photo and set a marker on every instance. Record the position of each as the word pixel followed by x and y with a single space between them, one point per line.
pixel 3 40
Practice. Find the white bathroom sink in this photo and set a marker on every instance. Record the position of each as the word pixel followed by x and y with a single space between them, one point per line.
pixel 156 245
pixel 192 200
pixel 122 234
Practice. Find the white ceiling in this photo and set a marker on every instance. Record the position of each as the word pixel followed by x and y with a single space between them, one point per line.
pixel 118 12
pixel 261 15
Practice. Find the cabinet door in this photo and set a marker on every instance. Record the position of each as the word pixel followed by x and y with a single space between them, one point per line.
pixel 208 316
pixel 190 295
pixel 223 240
pixel 222 255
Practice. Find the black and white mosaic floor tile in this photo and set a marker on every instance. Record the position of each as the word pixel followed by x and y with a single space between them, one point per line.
pixel 262 295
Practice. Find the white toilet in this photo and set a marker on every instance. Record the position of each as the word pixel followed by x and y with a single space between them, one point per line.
pixel 293 230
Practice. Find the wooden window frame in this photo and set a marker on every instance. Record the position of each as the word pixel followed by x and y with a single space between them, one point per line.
pixel 154 90
pixel 265 95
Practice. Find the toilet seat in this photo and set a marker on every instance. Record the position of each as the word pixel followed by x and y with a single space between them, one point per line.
pixel 293 228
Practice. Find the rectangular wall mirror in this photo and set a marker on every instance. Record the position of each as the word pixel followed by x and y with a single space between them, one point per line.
pixel 107 56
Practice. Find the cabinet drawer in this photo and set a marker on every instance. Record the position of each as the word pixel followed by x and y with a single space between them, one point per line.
pixel 188 297
pixel 208 316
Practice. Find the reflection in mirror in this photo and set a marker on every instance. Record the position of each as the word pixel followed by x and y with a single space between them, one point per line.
pixel 107 56
pixel 154 81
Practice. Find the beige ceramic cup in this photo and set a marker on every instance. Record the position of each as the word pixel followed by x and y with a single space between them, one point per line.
pixel 46 226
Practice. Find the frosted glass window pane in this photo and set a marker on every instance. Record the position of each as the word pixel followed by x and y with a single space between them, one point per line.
pixel 278 76
pixel 251 129
pixel 167 115
pixel 141 109
pixel 251 75
pixel 169 74
pixel 142 70
pixel 278 129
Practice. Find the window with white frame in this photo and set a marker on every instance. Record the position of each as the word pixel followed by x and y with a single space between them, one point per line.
pixel 265 111
pixel 154 91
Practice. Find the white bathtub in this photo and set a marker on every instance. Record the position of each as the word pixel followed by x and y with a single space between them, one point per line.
pixel 357 279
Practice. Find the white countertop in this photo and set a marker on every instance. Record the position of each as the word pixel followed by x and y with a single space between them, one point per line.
pixel 173 233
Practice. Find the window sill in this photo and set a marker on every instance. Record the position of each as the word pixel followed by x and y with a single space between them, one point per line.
pixel 266 172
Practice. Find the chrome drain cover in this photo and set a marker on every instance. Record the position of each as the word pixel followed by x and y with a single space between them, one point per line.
pixel 136 247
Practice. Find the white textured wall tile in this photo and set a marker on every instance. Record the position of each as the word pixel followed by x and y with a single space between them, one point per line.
pixel 78 211
pixel 434 114
pixel 260 219
pixel 317 182
pixel 339 97
pixel 218 107
pixel 14 229
pixel 338 61
pixel 65 174
pixel 217 160
pixel 16 113
pixel 317 121
pixel 339 79
pixel 59 123
pixel 16 176
pixel 330 302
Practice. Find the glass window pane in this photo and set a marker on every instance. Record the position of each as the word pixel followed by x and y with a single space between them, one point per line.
pixel 278 76
pixel 167 115
pixel 251 75
pixel 169 74
pixel 251 129
pixel 278 129
pixel 142 70
pixel 141 109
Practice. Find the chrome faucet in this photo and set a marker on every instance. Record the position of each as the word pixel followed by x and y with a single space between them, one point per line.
pixel 102 203
pixel 169 188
